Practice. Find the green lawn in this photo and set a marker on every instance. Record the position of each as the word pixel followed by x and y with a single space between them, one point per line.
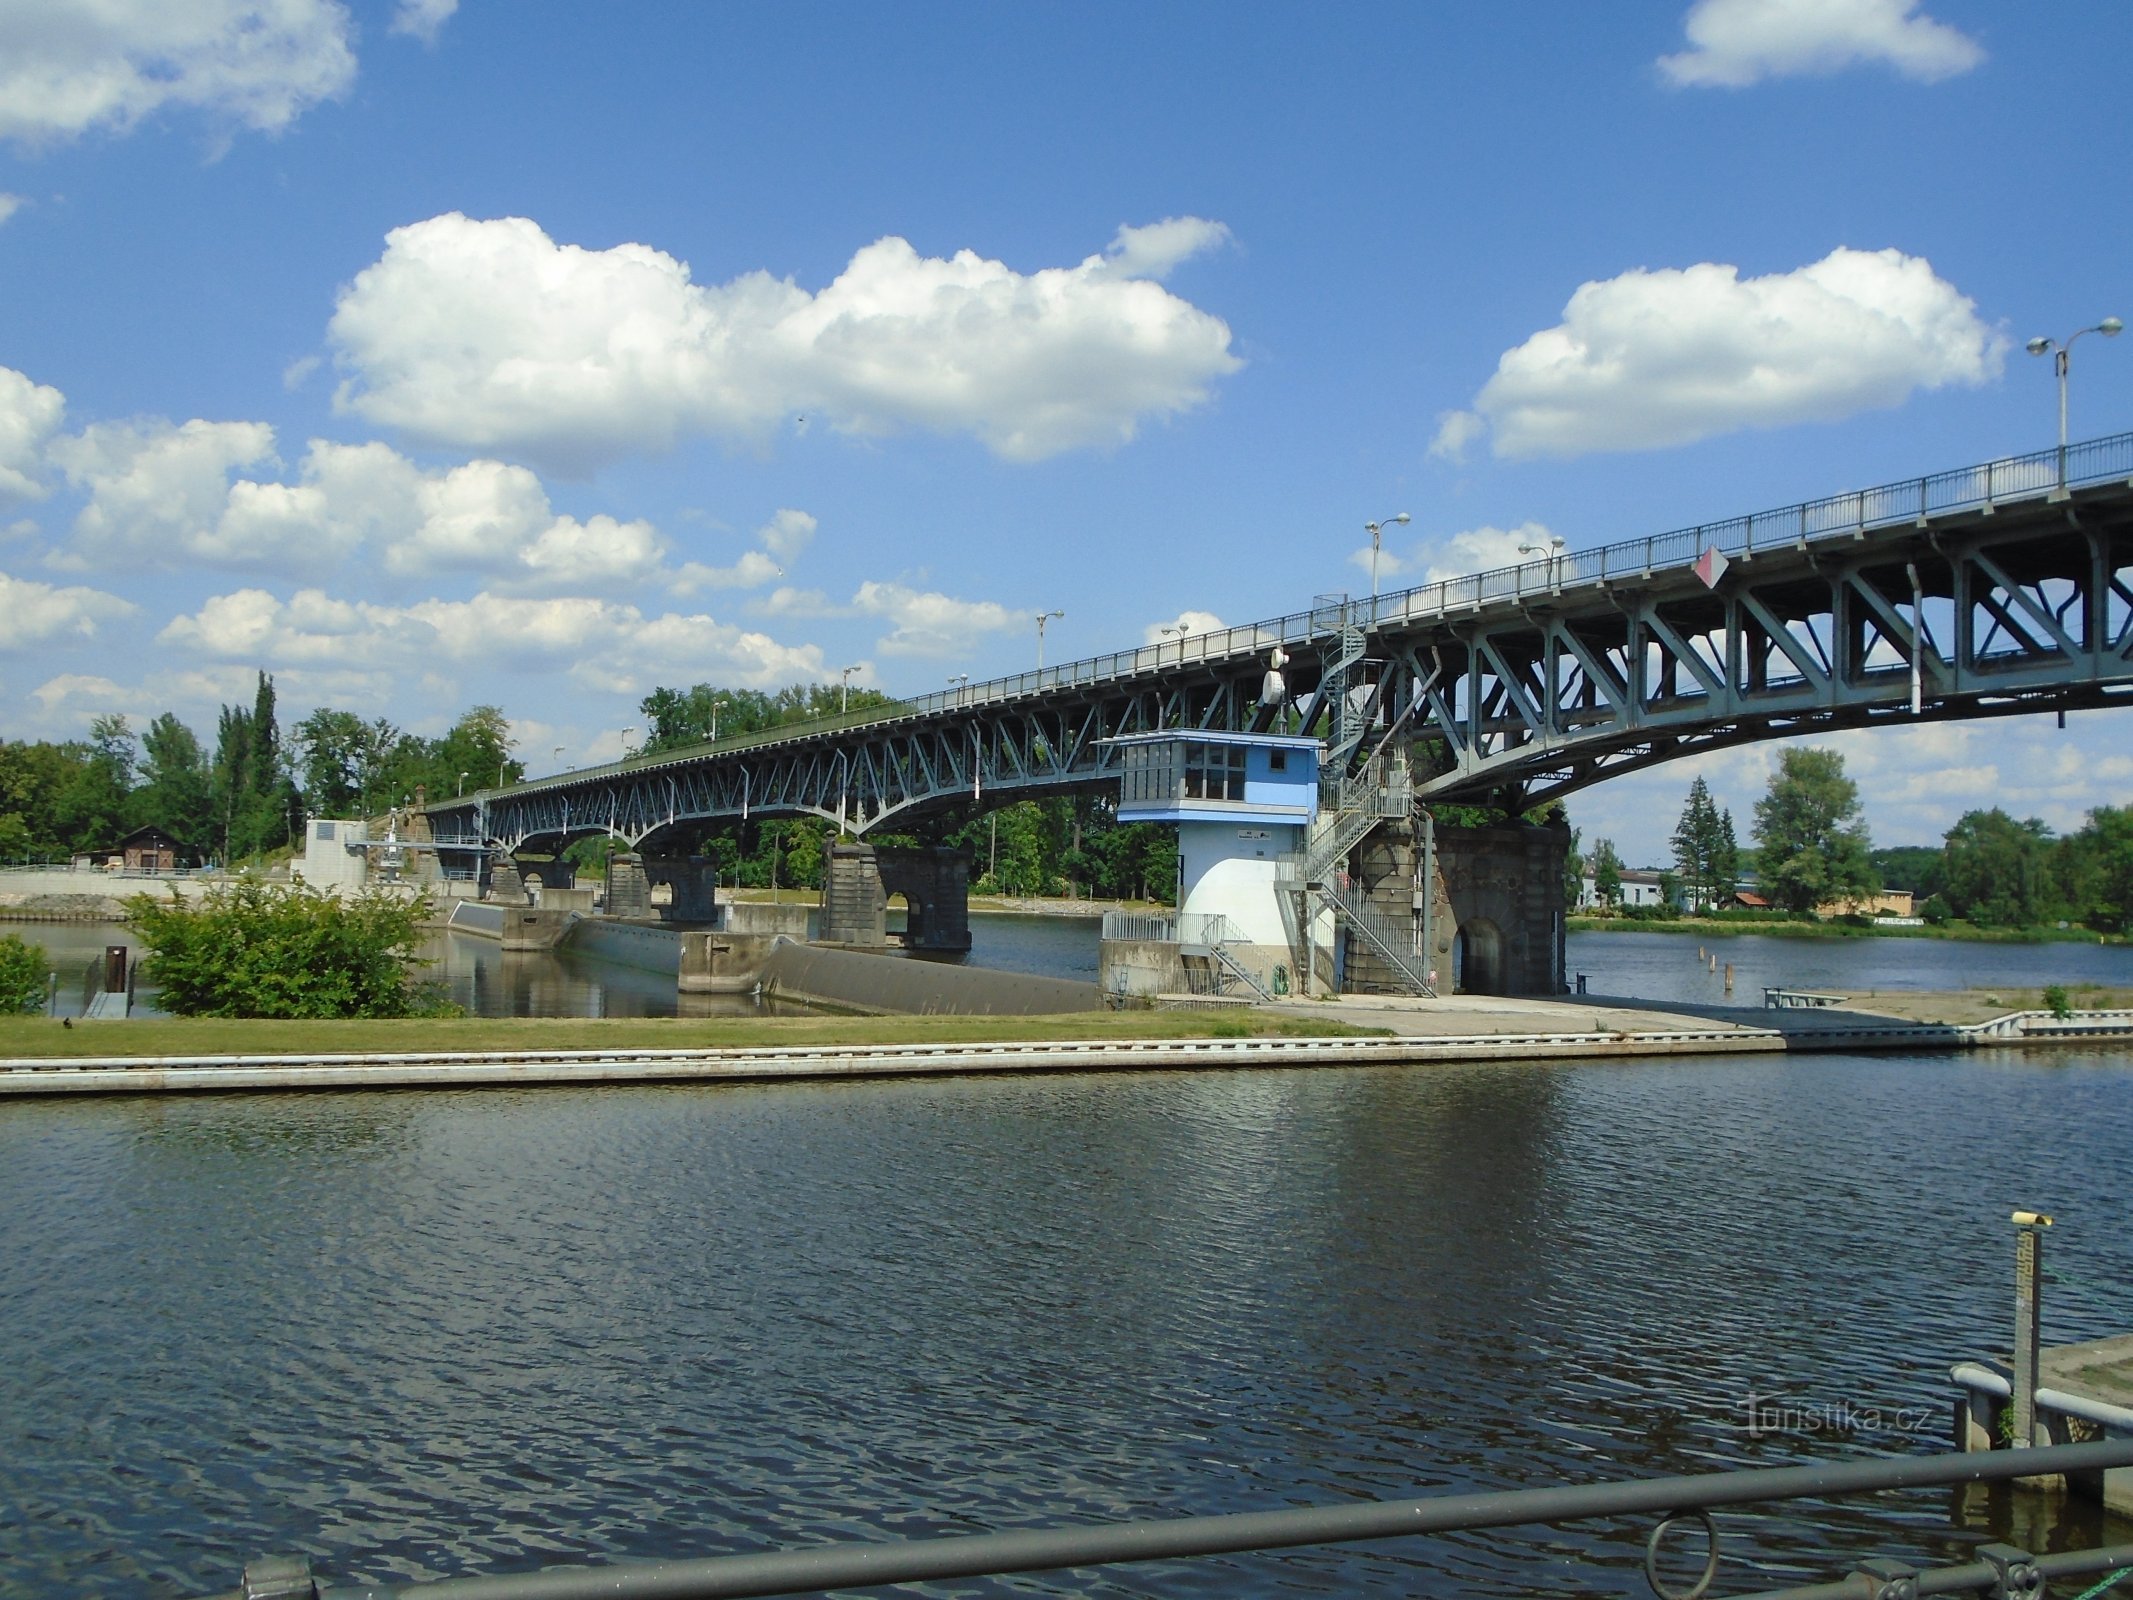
pixel 204 1036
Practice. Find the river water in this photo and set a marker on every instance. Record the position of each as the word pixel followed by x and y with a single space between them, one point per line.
pixel 438 1332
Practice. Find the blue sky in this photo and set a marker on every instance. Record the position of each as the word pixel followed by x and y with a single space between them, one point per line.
pixel 538 354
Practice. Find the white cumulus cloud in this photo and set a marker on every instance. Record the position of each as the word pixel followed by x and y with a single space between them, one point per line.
pixel 928 623
pixel 155 490
pixel 1459 555
pixel 1184 624
pixel 68 66
pixel 1734 43
pixel 10 204
pixel 423 19
pixel 598 644
pixel 1656 358
pixel 30 414
pixel 33 613
pixel 490 335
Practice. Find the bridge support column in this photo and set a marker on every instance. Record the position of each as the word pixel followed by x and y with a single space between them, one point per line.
pixel 858 879
pixel 1389 871
pixel 1503 892
pixel 629 891
pixel 692 883
pixel 506 887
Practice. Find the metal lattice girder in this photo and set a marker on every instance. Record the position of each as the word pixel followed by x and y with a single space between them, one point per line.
pixel 1989 591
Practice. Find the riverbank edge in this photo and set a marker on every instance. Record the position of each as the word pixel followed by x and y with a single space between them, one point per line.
pixel 1963 934
pixel 50 1076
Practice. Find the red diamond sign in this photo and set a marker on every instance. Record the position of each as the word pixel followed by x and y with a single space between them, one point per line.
pixel 1711 566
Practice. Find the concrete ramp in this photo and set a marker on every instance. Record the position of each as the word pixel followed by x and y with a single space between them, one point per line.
pixel 850 980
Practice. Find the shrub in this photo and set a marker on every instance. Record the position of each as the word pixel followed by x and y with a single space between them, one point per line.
pixel 2056 1002
pixel 249 950
pixel 1936 912
pixel 24 977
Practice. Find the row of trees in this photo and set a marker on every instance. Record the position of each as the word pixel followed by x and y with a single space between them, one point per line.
pixel 1813 850
pixel 249 795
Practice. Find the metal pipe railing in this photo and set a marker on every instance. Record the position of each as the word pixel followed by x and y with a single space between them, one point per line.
pixel 864 1565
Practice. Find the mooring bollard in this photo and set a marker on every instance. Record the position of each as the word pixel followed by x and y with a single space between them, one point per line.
pixel 2029 1279
pixel 1729 977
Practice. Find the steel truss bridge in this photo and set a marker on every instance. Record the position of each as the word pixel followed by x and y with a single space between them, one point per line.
pixel 1988 591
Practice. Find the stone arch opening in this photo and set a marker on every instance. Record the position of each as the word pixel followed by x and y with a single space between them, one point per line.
pixel 1478 958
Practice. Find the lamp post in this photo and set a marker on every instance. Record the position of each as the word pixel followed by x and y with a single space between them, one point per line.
pixel 2060 349
pixel 1376 530
pixel 955 687
pixel 559 757
pixel 844 702
pixel 1553 550
pixel 1042 618
pixel 462 786
pixel 714 719
pixel 1180 630
pixel 628 734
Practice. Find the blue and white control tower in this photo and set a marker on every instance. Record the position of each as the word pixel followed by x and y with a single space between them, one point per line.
pixel 1242 802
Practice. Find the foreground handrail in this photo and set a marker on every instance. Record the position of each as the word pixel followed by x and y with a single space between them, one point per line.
pixel 864 1565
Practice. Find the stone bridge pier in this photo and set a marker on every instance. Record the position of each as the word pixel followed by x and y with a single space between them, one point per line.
pixel 858 878
pixel 1497 923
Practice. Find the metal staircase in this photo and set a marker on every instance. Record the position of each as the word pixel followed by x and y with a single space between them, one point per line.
pixel 1351 806
pixel 1392 943
pixel 1214 934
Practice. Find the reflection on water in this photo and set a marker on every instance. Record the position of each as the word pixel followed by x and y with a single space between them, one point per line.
pixel 427 1332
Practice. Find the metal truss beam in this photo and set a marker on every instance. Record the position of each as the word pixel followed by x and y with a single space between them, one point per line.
pixel 1988 592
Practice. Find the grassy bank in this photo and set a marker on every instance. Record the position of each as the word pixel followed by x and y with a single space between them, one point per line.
pixel 1721 928
pixel 214 1036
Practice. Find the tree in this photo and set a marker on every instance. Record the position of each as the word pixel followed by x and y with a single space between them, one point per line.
pixel 24 977
pixel 1996 872
pixel 1699 847
pixel 90 807
pixel 173 794
pixel 2107 842
pixel 1811 843
pixel 247 949
pixel 336 755
pixel 1725 861
pixel 1606 873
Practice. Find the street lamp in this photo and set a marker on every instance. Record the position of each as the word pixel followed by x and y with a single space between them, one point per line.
pixel 462 785
pixel 559 757
pixel 2110 328
pixel 955 687
pixel 1042 618
pixel 1376 531
pixel 714 719
pixel 844 702
pixel 1553 550
pixel 1180 630
pixel 628 734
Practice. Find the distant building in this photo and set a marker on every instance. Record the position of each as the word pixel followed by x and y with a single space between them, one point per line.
pixel 152 850
pixel 1888 903
pixel 1640 887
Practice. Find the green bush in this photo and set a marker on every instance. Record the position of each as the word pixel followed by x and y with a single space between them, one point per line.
pixel 250 950
pixel 2056 1002
pixel 1937 912
pixel 24 977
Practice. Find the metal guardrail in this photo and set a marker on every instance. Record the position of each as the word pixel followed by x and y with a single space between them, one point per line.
pixel 1841 516
pixel 865 1565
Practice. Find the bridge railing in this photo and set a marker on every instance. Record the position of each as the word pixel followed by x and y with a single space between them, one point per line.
pixel 1990 483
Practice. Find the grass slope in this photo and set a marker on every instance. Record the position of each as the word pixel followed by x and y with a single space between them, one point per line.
pixel 39 1037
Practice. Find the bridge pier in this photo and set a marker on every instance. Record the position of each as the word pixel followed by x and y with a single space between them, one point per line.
pixel 858 878
pixel 1502 893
